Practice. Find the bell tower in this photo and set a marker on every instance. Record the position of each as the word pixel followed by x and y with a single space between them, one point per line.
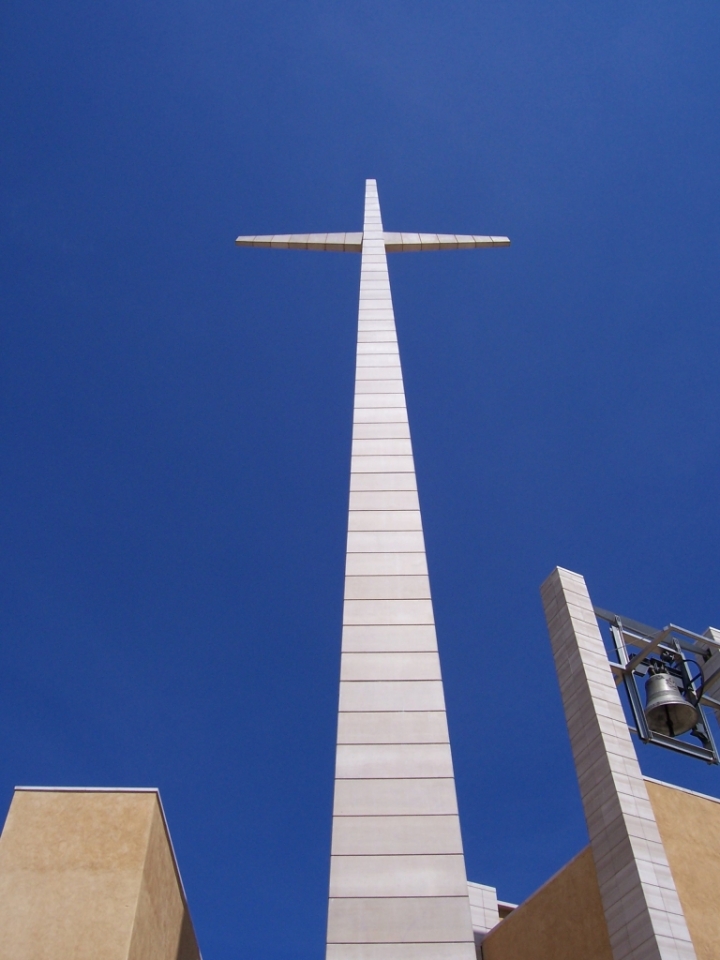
pixel 640 901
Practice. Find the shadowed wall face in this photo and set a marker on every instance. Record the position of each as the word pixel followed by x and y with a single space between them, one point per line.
pixel 90 875
pixel 563 920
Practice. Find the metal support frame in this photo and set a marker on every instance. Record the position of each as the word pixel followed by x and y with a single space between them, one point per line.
pixel 668 645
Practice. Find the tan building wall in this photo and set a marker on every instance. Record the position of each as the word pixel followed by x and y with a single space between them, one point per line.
pixel 690 829
pixel 90 875
pixel 564 920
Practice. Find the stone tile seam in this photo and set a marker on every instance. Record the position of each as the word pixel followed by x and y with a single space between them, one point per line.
pixel 385 779
pixel 620 901
pixel 374 576
pixel 389 553
pixel 384 649
pixel 413 943
pixel 394 597
pixel 360 856
pixel 372 943
pixel 403 474
pixel 427 896
pixel 393 743
pixel 387 943
pixel 398 654
pixel 431 776
pixel 403 529
pixel 374 623
pixel 417 606
pixel 385 623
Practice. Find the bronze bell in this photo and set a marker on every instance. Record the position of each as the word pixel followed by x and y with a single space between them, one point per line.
pixel 666 709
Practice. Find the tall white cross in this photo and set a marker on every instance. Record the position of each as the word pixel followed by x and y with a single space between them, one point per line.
pixel 398 887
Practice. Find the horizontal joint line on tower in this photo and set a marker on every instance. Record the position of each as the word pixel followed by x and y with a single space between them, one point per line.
pixel 354 856
pixel 413 896
pixel 397 680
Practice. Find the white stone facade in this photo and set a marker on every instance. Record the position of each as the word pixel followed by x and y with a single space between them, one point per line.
pixel 398 889
pixel 484 911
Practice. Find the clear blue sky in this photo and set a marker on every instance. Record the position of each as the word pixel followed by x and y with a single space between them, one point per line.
pixel 175 412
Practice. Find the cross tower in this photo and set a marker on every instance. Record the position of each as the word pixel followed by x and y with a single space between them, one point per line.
pixel 398 887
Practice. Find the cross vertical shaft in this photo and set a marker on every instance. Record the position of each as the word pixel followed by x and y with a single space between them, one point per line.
pixel 398 887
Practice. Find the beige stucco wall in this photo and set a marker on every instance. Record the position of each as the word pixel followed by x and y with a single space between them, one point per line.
pixel 162 924
pixel 563 920
pixel 88 875
pixel 690 829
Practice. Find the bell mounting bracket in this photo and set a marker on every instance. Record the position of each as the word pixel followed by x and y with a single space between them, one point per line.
pixel 638 648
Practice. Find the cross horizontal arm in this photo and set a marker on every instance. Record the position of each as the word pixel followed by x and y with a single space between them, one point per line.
pixel 346 242
pixel 413 242
pixel 352 242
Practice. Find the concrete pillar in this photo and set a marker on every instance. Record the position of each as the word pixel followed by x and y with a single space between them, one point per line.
pixel 644 918
pixel 398 888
